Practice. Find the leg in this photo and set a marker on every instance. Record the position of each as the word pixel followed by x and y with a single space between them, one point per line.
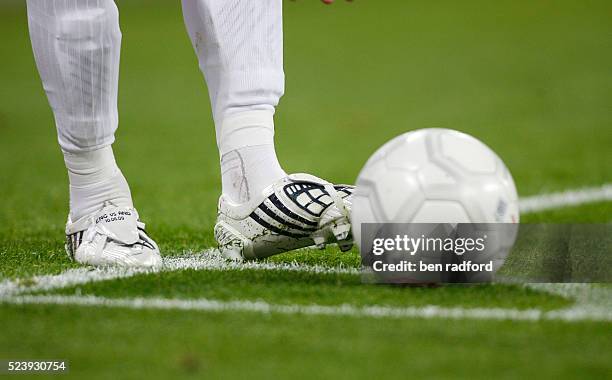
pixel 239 44
pixel 262 211
pixel 76 46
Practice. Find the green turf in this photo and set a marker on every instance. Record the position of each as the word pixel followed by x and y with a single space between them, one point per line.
pixel 311 288
pixel 531 79
pixel 154 344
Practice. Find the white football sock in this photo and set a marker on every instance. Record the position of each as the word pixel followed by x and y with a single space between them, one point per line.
pixel 245 172
pixel 95 179
pixel 248 159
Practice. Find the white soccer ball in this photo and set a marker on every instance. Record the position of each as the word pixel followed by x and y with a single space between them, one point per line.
pixel 434 176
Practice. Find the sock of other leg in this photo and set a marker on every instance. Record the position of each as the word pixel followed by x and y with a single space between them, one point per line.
pixel 95 179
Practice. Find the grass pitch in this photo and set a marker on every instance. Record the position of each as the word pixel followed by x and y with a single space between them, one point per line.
pixel 532 80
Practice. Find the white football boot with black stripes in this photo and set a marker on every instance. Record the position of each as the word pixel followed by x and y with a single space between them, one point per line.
pixel 298 211
pixel 112 237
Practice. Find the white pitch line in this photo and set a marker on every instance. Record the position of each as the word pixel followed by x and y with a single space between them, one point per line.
pixel 592 304
pixel 573 314
pixel 567 198
pixel 208 260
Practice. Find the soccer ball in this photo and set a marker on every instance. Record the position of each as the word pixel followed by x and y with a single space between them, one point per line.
pixel 434 176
